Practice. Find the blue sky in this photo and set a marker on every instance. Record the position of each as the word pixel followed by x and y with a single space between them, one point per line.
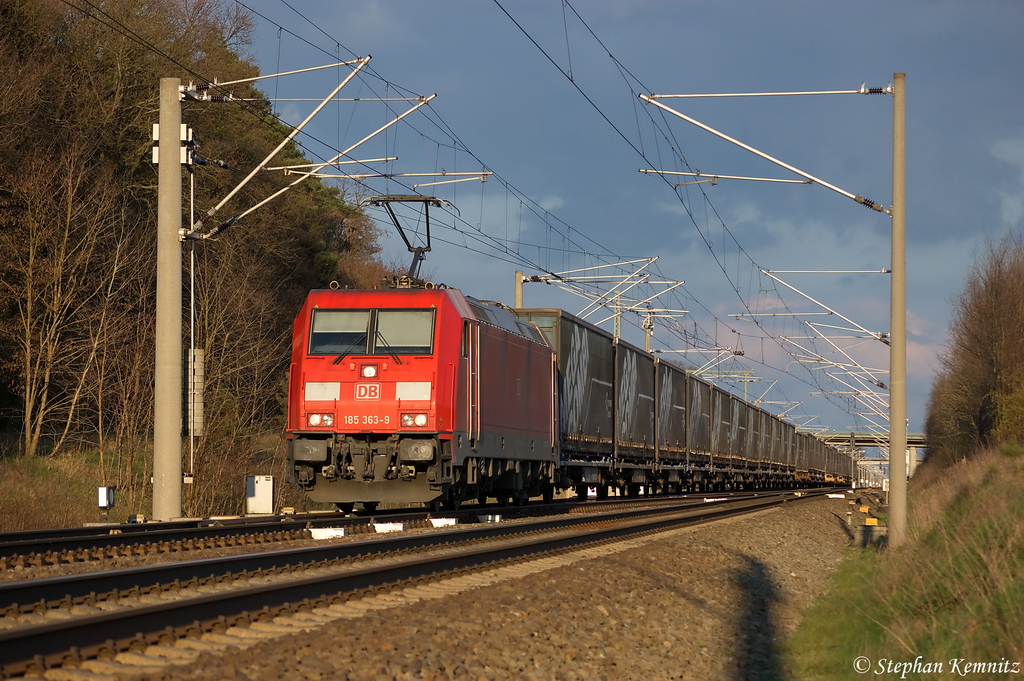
pixel 567 192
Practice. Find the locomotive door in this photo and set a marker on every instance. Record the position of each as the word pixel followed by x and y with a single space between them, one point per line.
pixel 471 343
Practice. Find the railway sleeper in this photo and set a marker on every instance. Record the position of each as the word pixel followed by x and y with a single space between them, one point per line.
pixel 135 592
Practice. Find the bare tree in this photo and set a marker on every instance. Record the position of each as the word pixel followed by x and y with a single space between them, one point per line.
pixel 978 397
pixel 77 237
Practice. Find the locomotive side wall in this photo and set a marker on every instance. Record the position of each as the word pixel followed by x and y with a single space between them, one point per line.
pixel 513 372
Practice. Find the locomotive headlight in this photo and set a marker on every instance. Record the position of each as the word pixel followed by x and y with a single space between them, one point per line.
pixel 320 419
pixel 368 370
pixel 409 420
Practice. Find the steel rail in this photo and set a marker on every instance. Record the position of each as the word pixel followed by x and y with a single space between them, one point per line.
pixel 45 646
pixel 47 546
pixel 26 596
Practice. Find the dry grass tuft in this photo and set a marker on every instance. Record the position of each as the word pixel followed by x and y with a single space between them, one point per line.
pixel 47 492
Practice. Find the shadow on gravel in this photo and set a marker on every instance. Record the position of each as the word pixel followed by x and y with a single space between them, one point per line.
pixel 842 524
pixel 756 656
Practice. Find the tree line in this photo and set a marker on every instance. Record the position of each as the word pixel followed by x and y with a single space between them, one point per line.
pixel 79 93
pixel 977 400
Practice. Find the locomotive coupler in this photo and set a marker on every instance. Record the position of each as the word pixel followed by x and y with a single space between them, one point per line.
pixel 305 476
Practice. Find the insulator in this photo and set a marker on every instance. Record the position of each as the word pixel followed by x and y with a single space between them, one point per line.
pixel 203 87
pixel 876 90
pixel 869 203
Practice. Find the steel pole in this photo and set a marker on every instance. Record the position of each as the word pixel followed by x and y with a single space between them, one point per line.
pixel 897 334
pixel 167 373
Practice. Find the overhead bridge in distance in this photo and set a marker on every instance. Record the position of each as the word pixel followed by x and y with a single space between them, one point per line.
pixel 865 439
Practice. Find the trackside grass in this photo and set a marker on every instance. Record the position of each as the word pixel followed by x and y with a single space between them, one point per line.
pixel 953 596
pixel 50 492
pixel 60 491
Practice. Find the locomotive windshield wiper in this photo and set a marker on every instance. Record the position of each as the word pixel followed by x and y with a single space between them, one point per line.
pixel 351 348
pixel 387 346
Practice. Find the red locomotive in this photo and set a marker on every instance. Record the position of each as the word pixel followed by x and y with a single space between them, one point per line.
pixel 419 395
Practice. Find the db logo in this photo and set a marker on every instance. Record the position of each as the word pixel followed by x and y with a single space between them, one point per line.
pixel 367 391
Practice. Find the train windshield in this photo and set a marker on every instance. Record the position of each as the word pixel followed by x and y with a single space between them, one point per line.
pixel 339 332
pixel 404 332
pixel 372 332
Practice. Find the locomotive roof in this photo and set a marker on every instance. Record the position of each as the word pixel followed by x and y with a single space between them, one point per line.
pixel 497 314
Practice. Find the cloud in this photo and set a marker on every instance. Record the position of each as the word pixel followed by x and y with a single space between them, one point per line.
pixel 923 359
pixel 551 202
pixel 291 115
pixel 1011 151
pixel 920 326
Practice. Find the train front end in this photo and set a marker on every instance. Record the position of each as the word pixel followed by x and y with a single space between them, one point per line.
pixel 371 394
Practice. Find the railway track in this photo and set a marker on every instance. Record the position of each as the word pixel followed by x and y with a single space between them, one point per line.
pixel 64 546
pixel 82 620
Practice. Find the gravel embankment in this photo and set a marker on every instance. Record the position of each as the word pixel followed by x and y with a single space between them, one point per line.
pixel 709 602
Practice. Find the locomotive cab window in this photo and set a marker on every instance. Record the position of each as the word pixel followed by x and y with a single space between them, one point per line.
pixel 337 332
pixel 372 332
pixel 404 332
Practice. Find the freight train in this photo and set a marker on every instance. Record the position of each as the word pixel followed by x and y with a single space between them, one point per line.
pixel 423 394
